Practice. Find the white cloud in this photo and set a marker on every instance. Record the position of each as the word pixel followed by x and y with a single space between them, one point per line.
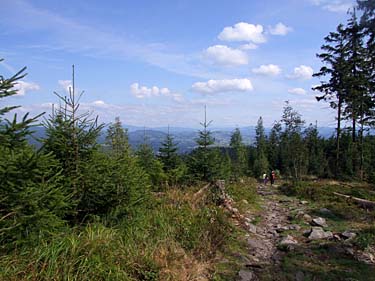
pixel 22 87
pixel 297 91
pixel 280 29
pixel 225 55
pixel 268 70
pixel 141 92
pixel 99 104
pixel 243 31
pixel 248 46
pixel 66 85
pixel 336 6
pixel 302 72
pixel 220 86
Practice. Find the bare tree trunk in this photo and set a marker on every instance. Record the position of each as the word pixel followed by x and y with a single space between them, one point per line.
pixel 338 135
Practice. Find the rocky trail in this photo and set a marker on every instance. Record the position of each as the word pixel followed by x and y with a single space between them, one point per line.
pixel 282 226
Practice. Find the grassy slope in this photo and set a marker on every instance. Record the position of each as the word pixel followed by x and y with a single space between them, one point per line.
pixel 176 237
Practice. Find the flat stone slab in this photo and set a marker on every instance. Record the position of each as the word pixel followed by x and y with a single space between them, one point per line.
pixel 319 222
pixel 317 233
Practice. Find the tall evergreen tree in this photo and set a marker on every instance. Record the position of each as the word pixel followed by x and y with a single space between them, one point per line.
pixel 261 164
pixel 168 153
pixel 334 89
pixel 239 154
pixel 72 137
pixel 315 151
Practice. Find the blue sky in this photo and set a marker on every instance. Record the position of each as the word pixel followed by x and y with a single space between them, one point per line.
pixel 157 63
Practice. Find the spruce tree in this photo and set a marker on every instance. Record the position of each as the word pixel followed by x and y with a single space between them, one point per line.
pixel 72 137
pixel 117 139
pixel 150 164
pixel 334 89
pixel 32 203
pixel 168 153
pixel 239 154
pixel 261 164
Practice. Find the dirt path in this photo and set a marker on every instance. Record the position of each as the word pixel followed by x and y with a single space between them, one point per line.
pixel 264 237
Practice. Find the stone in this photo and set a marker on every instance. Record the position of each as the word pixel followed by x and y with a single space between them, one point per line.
pixel 246 275
pixel 319 222
pixel 348 234
pixel 307 217
pixel 256 244
pixel 252 228
pixel 300 276
pixel 281 228
pixel 325 211
pixel 303 202
pixel 288 240
pixel 295 227
pixel 318 233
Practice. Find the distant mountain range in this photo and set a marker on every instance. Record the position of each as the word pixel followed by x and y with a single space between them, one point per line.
pixel 184 137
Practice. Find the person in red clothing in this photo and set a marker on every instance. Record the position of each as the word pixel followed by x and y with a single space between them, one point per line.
pixel 272 177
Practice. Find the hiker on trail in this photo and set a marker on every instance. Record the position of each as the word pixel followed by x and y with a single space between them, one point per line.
pixel 272 177
pixel 265 179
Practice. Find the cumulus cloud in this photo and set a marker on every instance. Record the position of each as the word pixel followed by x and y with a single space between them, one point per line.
pixel 302 72
pixel 141 92
pixel 221 86
pixel 280 29
pixel 100 104
pixel 243 31
pixel 297 91
pixel 224 55
pixel 268 70
pixel 22 87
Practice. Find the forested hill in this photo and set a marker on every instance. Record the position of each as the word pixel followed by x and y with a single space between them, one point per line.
pixel 184 137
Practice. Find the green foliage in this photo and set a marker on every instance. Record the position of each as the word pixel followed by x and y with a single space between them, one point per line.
pixel 111 186
pixel 239 155
pixel 32 203
pixel 152 166
pixel 117 139
pixel 366 238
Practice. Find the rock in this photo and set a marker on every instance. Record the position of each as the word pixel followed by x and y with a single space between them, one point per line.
pixel 325 211
pixel 252 228
pixel 319 222
pixel 318 233
pixel 256 244
pixel 303 202
pixel 348 234
pixel 246 275
pixel 295 227
pixel 281 228
pixel 300 276
pixel 288 240
pixel 307 217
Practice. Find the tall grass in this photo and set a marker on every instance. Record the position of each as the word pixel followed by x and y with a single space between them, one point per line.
pixel 175 237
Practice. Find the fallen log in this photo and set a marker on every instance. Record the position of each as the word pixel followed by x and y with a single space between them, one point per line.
pixel 201 191
pixel 367 204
